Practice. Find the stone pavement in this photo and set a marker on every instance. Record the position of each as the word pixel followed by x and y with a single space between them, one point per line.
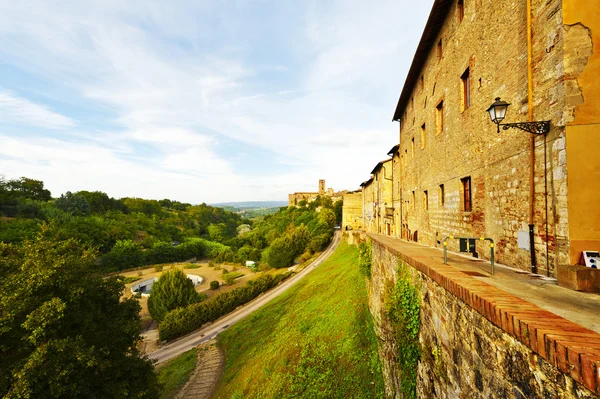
pixel 579 307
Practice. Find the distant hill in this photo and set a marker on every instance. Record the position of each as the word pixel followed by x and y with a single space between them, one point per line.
pixel 251 204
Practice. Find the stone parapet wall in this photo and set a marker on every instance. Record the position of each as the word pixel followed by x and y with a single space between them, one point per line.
pixel 478 341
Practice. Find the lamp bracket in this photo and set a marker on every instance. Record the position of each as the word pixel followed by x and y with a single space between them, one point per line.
pixel 538 127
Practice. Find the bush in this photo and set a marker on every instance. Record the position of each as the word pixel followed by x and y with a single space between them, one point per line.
pixel 158 268
pixel 172 290
pixel 230 277
pixel 182 321
pixel 214 285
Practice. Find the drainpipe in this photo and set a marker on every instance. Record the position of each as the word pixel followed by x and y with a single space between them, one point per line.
pixel 531 139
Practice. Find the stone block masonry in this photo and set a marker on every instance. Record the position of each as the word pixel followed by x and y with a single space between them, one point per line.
pixel 478 341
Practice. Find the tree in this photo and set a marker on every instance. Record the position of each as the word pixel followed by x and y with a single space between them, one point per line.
pixel 337 209
pixel 29 188
pixel 101 203
pixel 64 331
pixel 172 290
pixel 326 215
pixel 75 204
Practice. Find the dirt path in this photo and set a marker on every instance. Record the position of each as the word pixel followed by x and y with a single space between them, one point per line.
pixel 209 369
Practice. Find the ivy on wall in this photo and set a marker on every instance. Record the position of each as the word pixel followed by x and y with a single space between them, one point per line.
pixel 403 308
pixel 365 258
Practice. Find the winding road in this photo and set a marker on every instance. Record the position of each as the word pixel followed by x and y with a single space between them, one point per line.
pixel 204 334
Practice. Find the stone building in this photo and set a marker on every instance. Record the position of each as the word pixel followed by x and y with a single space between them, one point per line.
pixel 457 175
pixel 378 198
pixel 352 216
pixel 295 198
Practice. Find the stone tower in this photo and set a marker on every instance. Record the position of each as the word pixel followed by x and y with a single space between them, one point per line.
pixel 321 186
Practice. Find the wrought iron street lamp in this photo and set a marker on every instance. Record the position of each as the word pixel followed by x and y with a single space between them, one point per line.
pixel 497 113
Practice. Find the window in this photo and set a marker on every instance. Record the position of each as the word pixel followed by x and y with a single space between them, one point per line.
pixel 405 157
pixel 423 136
pixel 422 82
pixel 425 200
pixel 439 50
pixel 439 118
pixel 466 191
pixel 466 89
pixel 460 10
pixel 442 195
pixel 412 147
pixel 414 200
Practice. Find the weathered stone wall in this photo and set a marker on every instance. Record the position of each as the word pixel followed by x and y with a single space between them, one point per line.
pixel 464 355
pixel 352 211
pixel 491 41
pixel 354 237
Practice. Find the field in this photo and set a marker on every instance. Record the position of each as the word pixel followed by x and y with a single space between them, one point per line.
pixel 315 341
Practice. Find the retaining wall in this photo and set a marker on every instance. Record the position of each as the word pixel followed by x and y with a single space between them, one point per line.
pixel 480 342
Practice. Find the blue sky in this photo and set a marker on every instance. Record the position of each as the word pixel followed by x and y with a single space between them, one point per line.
pixel 201 101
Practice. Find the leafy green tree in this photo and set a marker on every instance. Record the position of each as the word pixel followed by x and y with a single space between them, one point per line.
pixel 285 249
pixel 172 290
pixel 147 207
pixel 64 330
pixel 75 204
pixel 125 254
pixel 101 203
pixel 29 188
pixel 326 215
pixel 337 209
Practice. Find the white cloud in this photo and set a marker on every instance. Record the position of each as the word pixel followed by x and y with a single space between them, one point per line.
pixel 14 109
pixel 183 77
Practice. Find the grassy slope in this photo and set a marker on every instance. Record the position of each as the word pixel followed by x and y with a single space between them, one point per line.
pixel 175 373
pixel 315 341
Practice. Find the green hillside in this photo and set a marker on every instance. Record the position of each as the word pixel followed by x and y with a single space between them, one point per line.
pixel 315 341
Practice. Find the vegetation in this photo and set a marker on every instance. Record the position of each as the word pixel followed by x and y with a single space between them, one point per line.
pixel 365 257
pixel 214 285
pixel 174 374
pixel 315 341
pixel 128 232
pixel 172 290
pixel 127 280
pixel 182 321
pixel 231 277
pixel 64 331
pixel 403 308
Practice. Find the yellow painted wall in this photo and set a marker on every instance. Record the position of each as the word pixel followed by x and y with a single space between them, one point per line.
pixel 583 131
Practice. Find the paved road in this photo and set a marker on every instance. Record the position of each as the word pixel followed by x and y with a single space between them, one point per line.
pixel 191 340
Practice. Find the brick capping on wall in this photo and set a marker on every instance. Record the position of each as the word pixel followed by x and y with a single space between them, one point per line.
pixel 571 348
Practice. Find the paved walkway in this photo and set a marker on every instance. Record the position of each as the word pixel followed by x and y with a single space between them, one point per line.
pixel 579 307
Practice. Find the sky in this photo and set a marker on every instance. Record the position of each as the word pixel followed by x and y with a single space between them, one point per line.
pixel 202 101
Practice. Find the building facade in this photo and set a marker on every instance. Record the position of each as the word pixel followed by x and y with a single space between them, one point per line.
pixel 352 216
pixel 457 175
pixel 295 198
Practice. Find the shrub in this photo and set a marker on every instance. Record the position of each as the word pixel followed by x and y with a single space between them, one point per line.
pixel 158 268
pixel 230 277
pixel 211 264
pixel 172 290
pixel 182 321
pixel 214 285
